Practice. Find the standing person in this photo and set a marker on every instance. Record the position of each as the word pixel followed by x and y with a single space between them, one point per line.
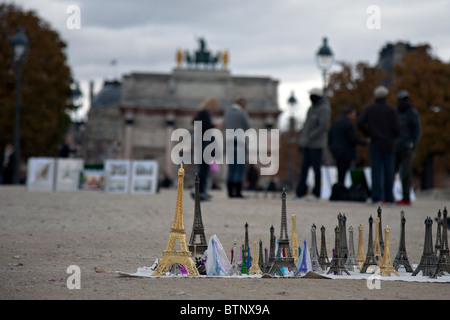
pixel 313 139
pixel 66 148
pixel 406 143
pixel 236 118
pixel 342 142
pixel 380 122
pixel 204 116
pixel 7 164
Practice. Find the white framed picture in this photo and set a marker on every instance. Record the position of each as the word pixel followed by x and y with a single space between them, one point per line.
pixel 67 176
pixel 144 176
pixel 117 176
pixel 40 174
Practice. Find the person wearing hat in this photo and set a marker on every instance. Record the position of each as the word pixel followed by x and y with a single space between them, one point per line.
pixel 380 122
pixel 342 142
pixel 406 143
pixel 312 141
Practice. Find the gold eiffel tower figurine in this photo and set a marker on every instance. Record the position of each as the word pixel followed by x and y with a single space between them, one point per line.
pixel 294 239
pixel 360 255
pixel 170 255
pixel 386 266
pixel 376 245
pixel 254 269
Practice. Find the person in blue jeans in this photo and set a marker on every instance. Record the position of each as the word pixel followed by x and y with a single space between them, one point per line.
pixel 313 138
pixel 380 122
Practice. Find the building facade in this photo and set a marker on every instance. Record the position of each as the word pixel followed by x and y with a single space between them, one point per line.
pixel 134 118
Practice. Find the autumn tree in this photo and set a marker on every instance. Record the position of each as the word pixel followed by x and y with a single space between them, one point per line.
pixel 45 84
pixel 427 79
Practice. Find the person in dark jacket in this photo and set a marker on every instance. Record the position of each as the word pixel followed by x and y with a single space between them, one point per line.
pixel 66 149
pixel 342 142
pixel 381 123
pixel 7 164
pixel 406 143
pixel 204 116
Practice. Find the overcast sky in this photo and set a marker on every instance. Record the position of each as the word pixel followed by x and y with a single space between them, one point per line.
pixel 276 38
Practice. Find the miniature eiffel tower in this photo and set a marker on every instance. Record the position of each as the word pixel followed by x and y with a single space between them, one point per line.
pixel 351 263
pixel 337 264
pixel 246 257
pixel 380 232
pixel 443 264
pixel 198 231
pixel 370 257
pixel 438 243
pixel 314 254
pixel 343 231
pixel 260 256
pixel 283 245
pixel 177 232
pixel 243 264
pixel 234 269
pixel 427 262
pixel 376 245
pixel 386 267
pixel 254 269
pixel 271 249
pixel 294 239
pixel 401 259
pixel 323 257
pixel 360 255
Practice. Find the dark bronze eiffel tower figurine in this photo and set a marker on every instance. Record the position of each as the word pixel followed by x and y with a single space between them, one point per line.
pixel 380 232
pixel 287 260
pixel 261 263
pixel 198 230
pixel 401 259
pixel 370 256
pixel 323 257
pixel 438 243
pixel 342 230
pixel 443 264
pixel 428 260
pixel 271 250
pixel 337 263
pixel 246 246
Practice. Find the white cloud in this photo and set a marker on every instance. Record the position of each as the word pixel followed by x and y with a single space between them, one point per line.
pixel 276 38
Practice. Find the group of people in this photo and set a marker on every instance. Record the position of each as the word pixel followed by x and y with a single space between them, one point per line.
pixel 236 117
pixel 391 133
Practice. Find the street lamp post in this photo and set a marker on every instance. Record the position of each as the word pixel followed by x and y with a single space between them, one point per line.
pixel 292 101
pixel 324 59
pixel 19 46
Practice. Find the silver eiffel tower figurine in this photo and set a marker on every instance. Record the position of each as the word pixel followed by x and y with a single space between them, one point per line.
pixel 351 263
pixel 313 252
pixel 234 270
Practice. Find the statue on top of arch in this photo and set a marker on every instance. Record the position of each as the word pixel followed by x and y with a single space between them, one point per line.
pixel 202 57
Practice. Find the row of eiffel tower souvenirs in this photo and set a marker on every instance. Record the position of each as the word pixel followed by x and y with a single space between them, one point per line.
pixel 286 258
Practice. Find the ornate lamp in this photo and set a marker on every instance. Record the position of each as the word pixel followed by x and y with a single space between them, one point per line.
pixel 324 59
pixel 19 47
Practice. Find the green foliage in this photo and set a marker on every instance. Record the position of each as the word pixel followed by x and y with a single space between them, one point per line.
pixel 45 84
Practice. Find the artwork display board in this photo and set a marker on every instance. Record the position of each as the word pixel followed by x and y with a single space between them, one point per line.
pixel 40 174
pixel 92 180
pixel 144 176
pixel 117 176
pixel 67 174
